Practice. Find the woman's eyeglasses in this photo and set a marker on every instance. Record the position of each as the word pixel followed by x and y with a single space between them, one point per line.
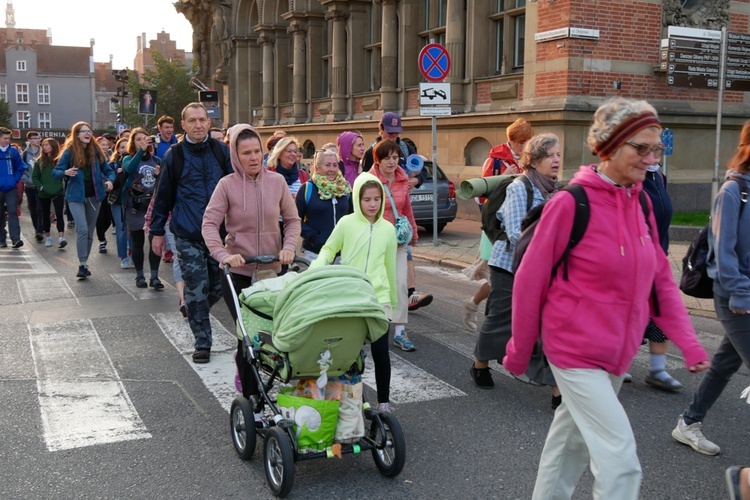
pixel 83 131
pixel 645 149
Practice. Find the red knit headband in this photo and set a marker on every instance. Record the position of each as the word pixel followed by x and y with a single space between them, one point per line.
pixel 624 131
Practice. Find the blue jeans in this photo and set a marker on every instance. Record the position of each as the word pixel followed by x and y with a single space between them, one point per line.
pixel 85 215
pixel 121 235
pixel 202 278
pixel 10 199
pixel 732 352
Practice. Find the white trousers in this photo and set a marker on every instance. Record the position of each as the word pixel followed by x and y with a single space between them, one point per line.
pixel 590 427
pixel 401 314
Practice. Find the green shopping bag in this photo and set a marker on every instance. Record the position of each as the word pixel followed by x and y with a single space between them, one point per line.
pixel 314 419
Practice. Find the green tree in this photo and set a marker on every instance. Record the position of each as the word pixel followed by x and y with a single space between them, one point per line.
pixel 5 115
pixel 171 81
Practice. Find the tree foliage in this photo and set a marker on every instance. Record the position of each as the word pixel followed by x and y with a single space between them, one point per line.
pixel 5 114
pixel 171 81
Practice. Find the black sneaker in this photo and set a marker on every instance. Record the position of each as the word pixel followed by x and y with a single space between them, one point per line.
pixel 82 272
pixel 103 247
pixel 156 284
pixel 140 282
pixel 3 244
pixel 18 244
pixel 481 377
pixel 71 223
pixel 88 273
pixel 39 237
pixel 556 401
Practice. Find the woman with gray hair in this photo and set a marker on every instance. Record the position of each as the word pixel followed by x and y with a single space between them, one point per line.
pixel 540 162
pixel 592 318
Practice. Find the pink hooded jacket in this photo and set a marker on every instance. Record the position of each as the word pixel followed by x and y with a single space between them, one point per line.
pixel 596 319
pixel 251 209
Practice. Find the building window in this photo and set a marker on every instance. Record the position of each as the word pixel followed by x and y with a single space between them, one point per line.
pixel 433 24
pixel 510 35
pixel 42 94
pixel 112 107
pixel 22 93
pixel 23 119
pixel 20 65
pixel 373 49
pixel 45 119
pixel 4 92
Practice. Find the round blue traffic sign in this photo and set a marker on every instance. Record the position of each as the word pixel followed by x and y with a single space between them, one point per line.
pixel 434 62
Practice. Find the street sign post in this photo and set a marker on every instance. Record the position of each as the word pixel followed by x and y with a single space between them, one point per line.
pixel 434 64
pixel 667 138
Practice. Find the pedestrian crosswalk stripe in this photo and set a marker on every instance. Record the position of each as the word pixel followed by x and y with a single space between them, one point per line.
pixel 127 282
pixel 218 375
pixel 24 260
pixel 83 402
pixel 411 384
pixel 43 289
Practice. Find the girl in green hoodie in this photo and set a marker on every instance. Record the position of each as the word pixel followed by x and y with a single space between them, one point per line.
pixel 367 242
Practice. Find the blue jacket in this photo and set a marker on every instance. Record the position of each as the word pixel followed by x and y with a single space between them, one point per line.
pixel 319 217
pixel 75 191
pixel 729 246
pixel 163 145
pixel 200 174
pixel 655 187
pixel 11 169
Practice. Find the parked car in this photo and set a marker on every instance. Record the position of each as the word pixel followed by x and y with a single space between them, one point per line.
pixel 421 200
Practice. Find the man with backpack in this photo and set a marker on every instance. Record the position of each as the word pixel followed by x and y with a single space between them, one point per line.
pixel 189 174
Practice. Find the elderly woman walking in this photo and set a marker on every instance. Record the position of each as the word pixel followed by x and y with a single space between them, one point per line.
pixel 592 318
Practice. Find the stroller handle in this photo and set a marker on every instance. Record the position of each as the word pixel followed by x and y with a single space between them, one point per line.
pixel 266 259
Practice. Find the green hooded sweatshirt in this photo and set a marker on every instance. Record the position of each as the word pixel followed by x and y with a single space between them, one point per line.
pixel 371 248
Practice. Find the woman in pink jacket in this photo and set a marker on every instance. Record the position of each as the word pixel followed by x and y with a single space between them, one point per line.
pixel 250 202
pixel 592 323
pixel 396 183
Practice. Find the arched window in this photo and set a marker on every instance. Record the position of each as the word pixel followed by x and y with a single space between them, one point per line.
pixel 476 150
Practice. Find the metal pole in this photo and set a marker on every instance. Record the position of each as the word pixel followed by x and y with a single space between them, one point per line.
pixel 719 107
pixel 434 183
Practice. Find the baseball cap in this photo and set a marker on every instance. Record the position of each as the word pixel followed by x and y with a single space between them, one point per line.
pixel 391 123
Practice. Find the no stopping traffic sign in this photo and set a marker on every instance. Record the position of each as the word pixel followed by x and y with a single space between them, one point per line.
pixel 434 62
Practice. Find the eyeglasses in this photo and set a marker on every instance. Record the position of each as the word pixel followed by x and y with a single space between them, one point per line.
pixel 292 151
pixel 85 132
pixel 645 149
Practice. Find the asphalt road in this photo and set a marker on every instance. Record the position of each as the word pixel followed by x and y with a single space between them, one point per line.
pixel 101 401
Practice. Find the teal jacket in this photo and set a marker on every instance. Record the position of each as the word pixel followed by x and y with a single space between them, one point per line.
pixel 371 248
pixel 75 190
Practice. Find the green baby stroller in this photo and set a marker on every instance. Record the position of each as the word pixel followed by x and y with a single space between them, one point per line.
pixel 308 326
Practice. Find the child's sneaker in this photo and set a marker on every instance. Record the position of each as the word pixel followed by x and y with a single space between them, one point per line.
pixel 403 342
pixel 385 407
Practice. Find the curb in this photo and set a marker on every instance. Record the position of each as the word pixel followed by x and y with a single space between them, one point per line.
pixel 455 264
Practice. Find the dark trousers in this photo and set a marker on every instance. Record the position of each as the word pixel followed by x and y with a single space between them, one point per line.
pixel 154 260
pixel 495 331
pixel 249 382
pixel 46 203
pixel 103 221
pixel 32 201
pixel 733 351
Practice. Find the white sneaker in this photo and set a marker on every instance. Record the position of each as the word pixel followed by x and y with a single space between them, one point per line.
pixel 386 407
pixel 692 435
pixel 471 311
pixel 48 241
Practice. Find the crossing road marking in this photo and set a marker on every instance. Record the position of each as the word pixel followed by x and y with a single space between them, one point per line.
pixel 44 289
pixel 83 402
pixel 127 282
pixel 218 375
pixel 23 261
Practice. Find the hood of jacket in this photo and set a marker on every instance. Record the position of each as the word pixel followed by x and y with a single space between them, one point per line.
pixel 502 152
pixel 345 142
pixel 233 133
pixel 361 179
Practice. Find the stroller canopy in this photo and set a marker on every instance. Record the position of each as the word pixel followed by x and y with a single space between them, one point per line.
pixel 322 293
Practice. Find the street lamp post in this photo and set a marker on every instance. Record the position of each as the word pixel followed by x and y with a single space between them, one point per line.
pixel 121 75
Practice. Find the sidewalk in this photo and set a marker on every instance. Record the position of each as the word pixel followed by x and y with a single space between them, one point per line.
pixel 458 247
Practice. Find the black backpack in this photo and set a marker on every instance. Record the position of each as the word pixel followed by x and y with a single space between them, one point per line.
pixel 695 280
pixel 491 225
pixel 580 222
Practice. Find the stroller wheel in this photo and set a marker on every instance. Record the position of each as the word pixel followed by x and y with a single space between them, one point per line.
pixel 390 445
pixel 242 424
pixel 278 458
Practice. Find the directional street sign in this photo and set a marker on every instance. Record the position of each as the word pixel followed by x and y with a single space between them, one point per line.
pixel 434 62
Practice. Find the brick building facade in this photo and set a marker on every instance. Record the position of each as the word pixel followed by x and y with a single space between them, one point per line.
pixel 316 68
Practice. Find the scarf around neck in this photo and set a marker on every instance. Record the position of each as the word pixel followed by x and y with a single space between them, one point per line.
pixel 290 174
pixel 329 189
pixel 546 185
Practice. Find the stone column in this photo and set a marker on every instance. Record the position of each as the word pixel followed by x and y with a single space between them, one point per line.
pixel 240 97
pixel 266 40
pixel 338 70
pixel 389 56
pixel 299 71
pixel 455 42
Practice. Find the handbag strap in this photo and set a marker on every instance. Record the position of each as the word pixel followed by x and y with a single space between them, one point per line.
pixel 393 204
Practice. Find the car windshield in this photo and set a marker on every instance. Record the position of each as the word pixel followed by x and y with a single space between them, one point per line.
pixel 428 169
